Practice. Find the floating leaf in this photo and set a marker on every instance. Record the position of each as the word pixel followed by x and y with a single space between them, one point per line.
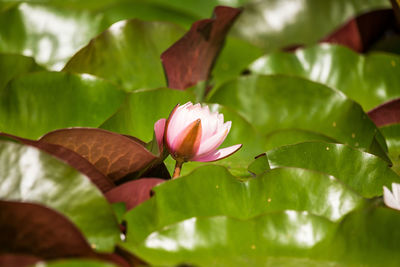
pixel 190 59
pixel 134 192
pixel 29 228
pixel 71 158
pixel 279 189
pixel 142 109
pixel 225 241
pixel 392 137
pixel 275 24
pixel 387 113
pixel 370 80
pixel 113 154
pixel 136 46
pixel 29 175
pixel 48 33
pixel 286 238
pixel 363 172
pixel 37 103
pixel 279 102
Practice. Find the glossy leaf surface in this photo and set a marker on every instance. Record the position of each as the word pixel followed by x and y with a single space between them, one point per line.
pixel 35 104
pixel 141 110
pixel 33 229
pixel 29 175
pixel 113 154
pixel 363 172
pixel 276 190
pixel 128 53
pixel 73 159
pixel 392 137
pixel 286 238
pixel 48 33
pixel 370 80
pixel 278 102
pixel 190 59
pixel 274 24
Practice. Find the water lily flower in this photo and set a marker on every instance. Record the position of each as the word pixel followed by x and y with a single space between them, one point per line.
pixel 193 133
pixel 392 200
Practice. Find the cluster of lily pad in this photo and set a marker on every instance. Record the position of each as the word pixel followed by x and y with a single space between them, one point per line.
pixel 86 162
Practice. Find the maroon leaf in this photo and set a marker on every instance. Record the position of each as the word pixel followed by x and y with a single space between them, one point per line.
pixel 20 260
pixel 113 154
pixel 360 32
pixel 191 58
pixel 73 159
pixel 33 229
pixel 387 113
pixel 134 192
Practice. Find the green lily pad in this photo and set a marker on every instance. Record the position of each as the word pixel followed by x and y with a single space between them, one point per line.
pixel 392 136
pixel 30 175
pixel 12 65
pixel 274 24
pixel 361 171
pixel 225 241
pixel 370 80
pixel 276 190
pixel 136 117
pixel 34 104
pixel 48 33
pixel 366 237
pixel 235 57
pixel 279 102
pixel 128 53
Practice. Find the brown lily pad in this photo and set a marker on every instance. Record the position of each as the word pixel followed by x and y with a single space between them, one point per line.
pixel 387 113
pixel 35 232
pixel 191 58
pixel 134 192
pixel 113 154
pixel 73 159
pixel 33 229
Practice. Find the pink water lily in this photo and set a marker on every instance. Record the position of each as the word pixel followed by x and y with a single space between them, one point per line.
pixel 193 133
pixel 392 199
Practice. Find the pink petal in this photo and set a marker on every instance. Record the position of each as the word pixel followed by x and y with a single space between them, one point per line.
pixel 159 128
pixel 219 154
pixel 213 142
pixel 389 199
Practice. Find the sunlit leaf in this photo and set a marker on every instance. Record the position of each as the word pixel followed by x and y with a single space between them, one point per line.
pixel 370 80
pixel 37 103
pixel 29 175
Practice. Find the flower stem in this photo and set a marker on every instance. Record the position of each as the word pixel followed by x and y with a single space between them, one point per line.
pixel 178 167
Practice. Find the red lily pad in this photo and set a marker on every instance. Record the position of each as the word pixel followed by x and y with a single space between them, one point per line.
pixel 37 232
pixel 191 58
pixel 33 229
pixel 75 160
pixel 387 113
pixel 134 192
pixel 113 154
pixel 360 32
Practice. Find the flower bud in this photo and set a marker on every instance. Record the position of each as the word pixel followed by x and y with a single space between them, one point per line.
pixel 193 133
